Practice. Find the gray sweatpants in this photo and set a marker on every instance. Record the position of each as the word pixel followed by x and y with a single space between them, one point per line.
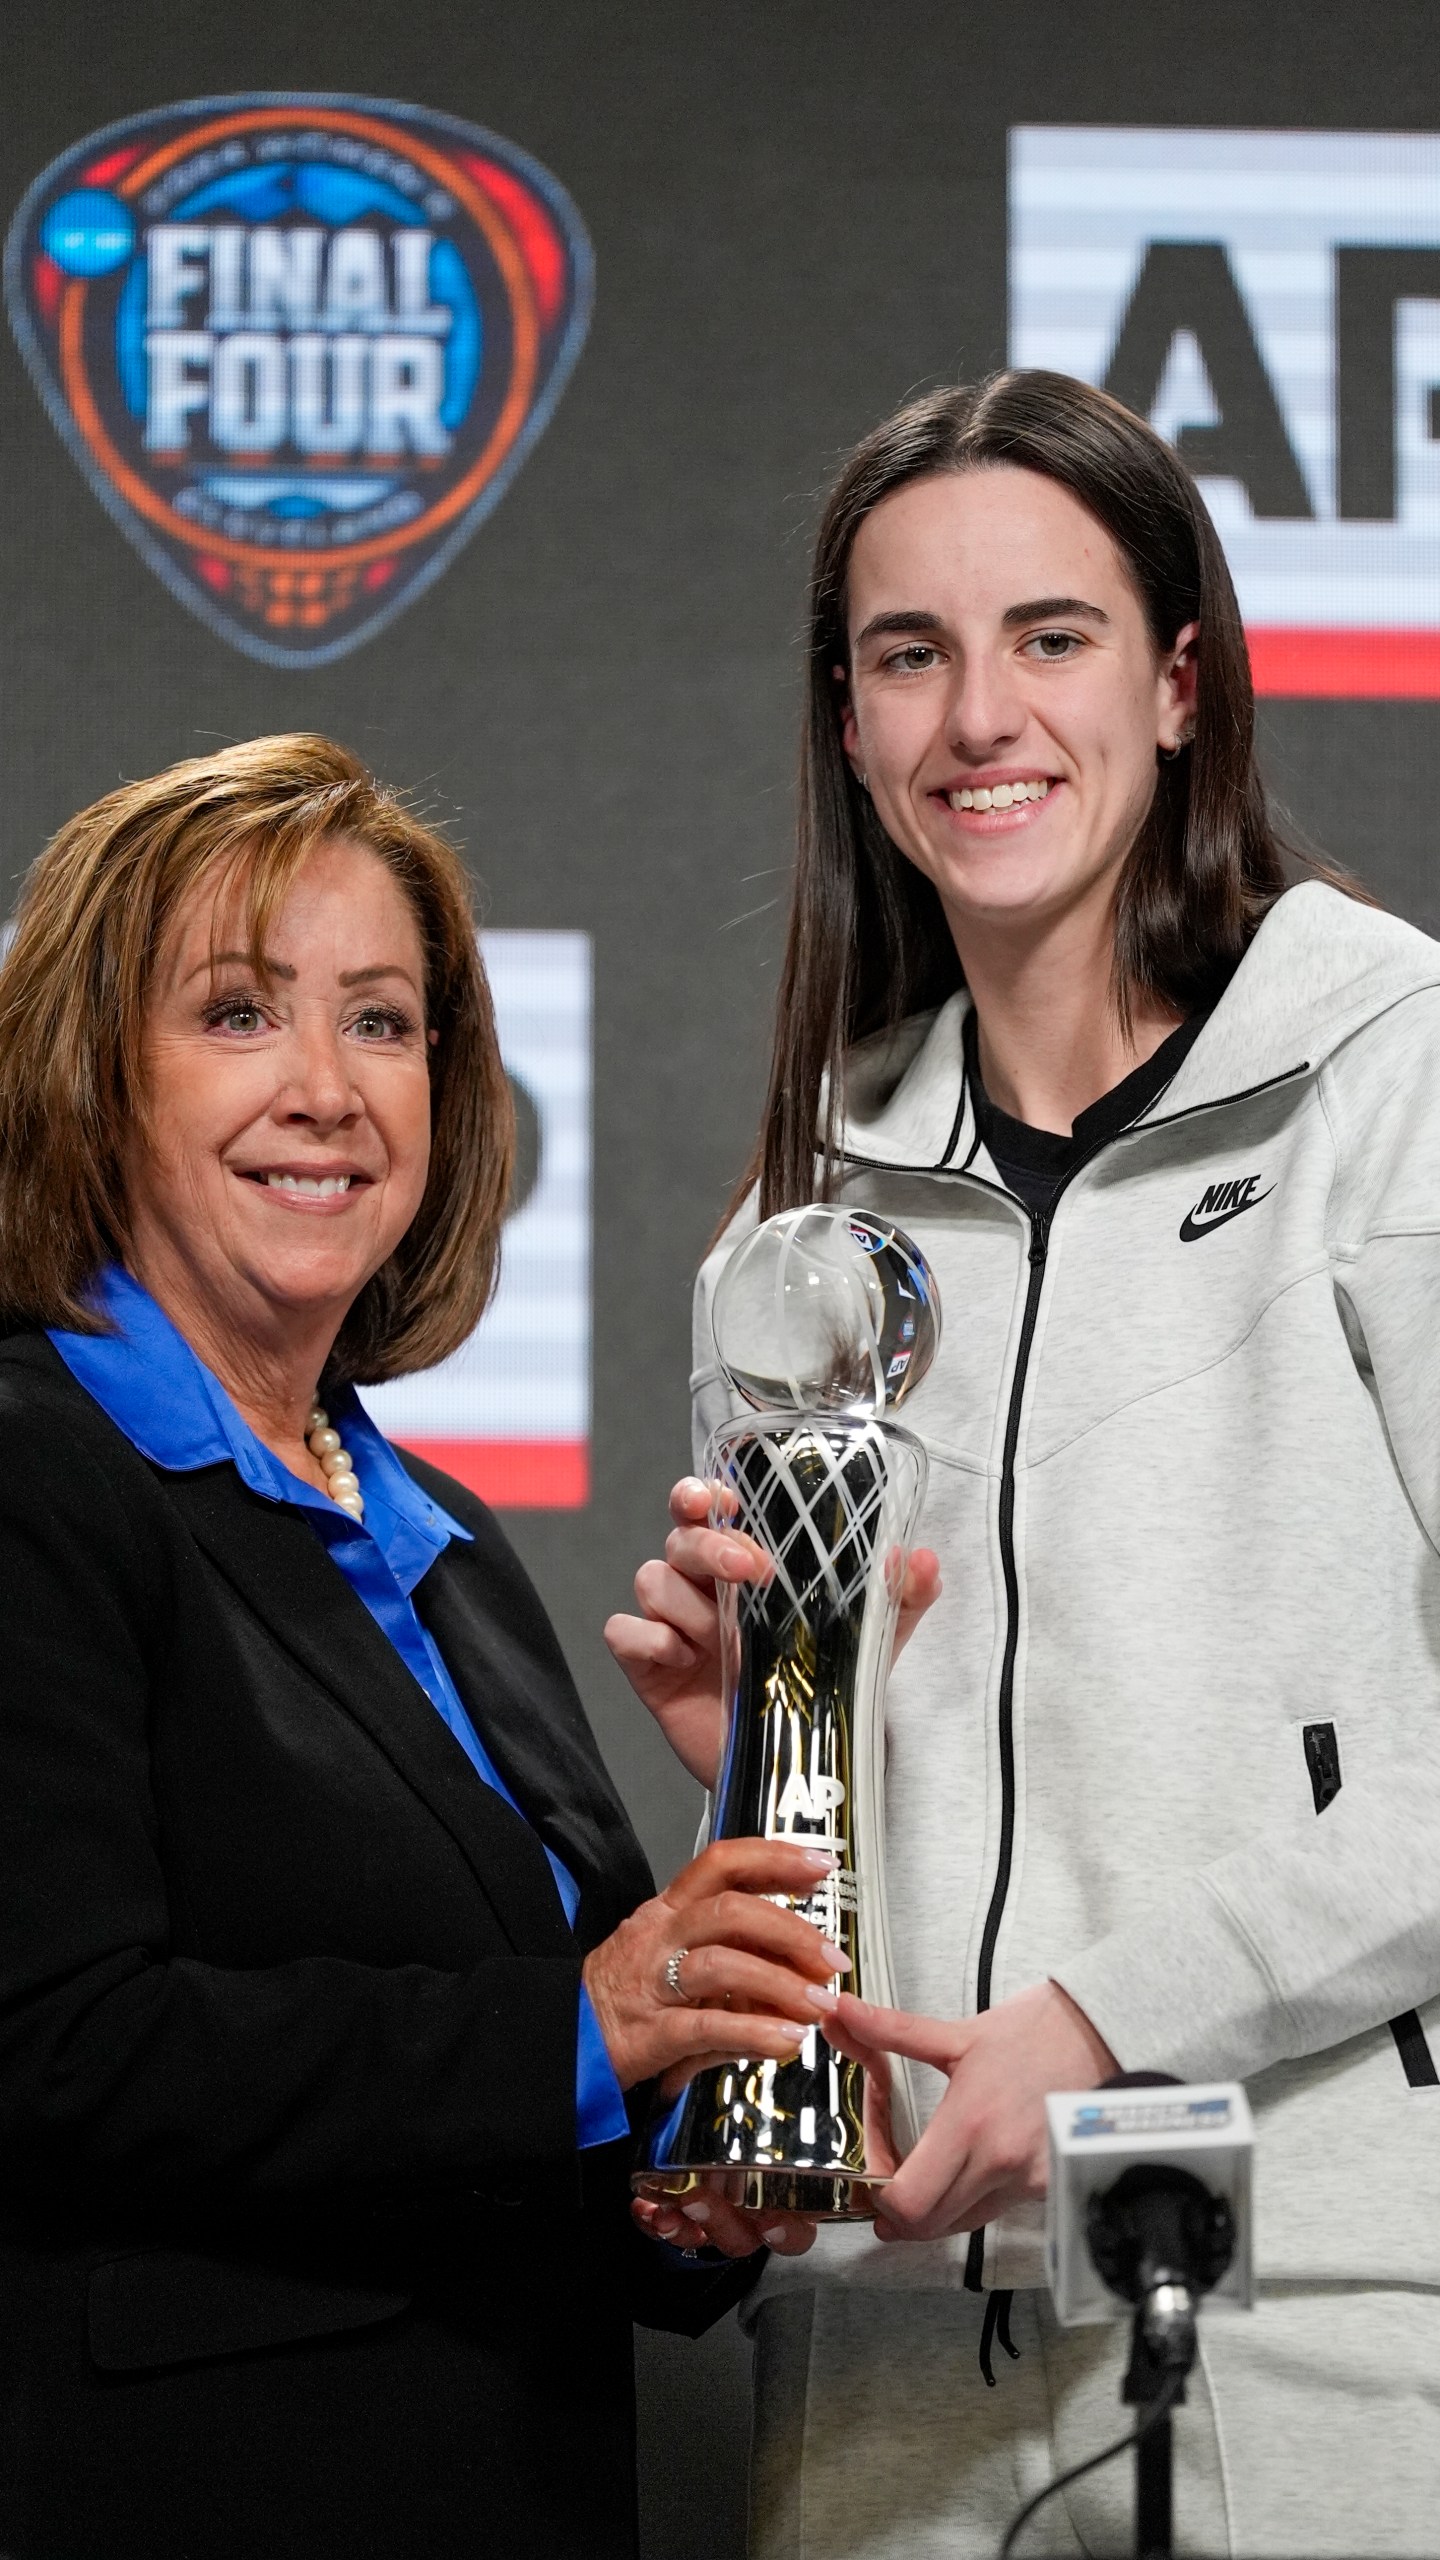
pixel 1311 2429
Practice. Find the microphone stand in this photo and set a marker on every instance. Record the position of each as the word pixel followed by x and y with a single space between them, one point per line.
pixel 1162 2350
pixel 1159 2239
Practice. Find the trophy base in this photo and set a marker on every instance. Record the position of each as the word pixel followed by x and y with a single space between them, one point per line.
pixel 826 2195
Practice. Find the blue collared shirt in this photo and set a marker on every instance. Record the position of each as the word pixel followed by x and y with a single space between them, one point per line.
pixel 177 1414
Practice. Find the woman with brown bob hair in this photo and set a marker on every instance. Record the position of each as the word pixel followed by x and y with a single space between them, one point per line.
pixel 328 1960
pixel 1163 1764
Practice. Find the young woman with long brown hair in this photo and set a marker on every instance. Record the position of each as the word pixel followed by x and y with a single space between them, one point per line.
pixel 1163 1775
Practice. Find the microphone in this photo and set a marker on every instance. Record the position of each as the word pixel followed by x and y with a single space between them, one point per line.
pixel 1148 2210
pixel 1158 2239
pixel 1149 2205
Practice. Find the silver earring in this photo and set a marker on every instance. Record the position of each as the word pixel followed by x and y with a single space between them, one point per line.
pixel 864 781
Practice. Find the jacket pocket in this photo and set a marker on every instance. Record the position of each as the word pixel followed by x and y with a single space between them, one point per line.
pixel 167 2306
pixel 1322 1759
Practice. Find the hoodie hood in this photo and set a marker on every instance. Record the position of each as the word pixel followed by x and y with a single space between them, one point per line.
pixel 1320 968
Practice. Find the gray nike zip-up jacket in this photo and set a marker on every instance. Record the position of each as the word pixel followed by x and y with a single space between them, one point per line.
pixel 1184 1447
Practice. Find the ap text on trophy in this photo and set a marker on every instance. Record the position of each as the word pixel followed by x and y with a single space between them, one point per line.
pixel 825 1319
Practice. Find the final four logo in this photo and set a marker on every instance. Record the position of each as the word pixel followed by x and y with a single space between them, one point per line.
pixel 299 347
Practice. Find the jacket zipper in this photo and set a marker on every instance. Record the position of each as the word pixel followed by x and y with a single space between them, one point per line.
pixel 999 1891
pixel 1039 1248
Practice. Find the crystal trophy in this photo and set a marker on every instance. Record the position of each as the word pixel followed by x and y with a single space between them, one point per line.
pixel 825 1320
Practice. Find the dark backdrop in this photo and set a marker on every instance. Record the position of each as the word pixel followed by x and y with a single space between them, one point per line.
pixel 799 216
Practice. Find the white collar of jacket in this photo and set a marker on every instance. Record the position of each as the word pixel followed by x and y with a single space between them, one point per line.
pixel 1320 967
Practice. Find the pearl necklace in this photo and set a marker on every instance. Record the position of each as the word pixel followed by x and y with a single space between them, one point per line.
pixel 341 1482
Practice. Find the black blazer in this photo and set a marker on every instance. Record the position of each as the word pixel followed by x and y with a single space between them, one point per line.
pixel 297 2253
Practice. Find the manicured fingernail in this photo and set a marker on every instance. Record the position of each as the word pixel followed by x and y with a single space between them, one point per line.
pixel 839 1961
pixel 734 1558
pixel 819 1997
pixel 696 2212
pixel 775 2233
pixel 690 1486
pixel 799 2028
pixel 822 1860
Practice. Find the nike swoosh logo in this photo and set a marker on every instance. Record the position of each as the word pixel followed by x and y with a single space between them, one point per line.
pixel 1189 1232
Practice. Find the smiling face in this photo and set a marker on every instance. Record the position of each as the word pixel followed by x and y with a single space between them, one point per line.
pixel 1005 700
pixel 288 1134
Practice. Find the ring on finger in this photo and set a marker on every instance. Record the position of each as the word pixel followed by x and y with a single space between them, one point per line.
pixel 672 1975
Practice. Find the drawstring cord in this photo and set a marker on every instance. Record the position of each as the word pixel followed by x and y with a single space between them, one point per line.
pixel 996 2324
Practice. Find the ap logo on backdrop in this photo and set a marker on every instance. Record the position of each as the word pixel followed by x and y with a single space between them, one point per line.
pixel 299 346
pixel 1271 301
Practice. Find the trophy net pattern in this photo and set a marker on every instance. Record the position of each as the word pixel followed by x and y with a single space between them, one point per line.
pixel 817 1500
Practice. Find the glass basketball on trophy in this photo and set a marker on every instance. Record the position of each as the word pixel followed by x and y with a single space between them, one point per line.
pixel 825 1319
